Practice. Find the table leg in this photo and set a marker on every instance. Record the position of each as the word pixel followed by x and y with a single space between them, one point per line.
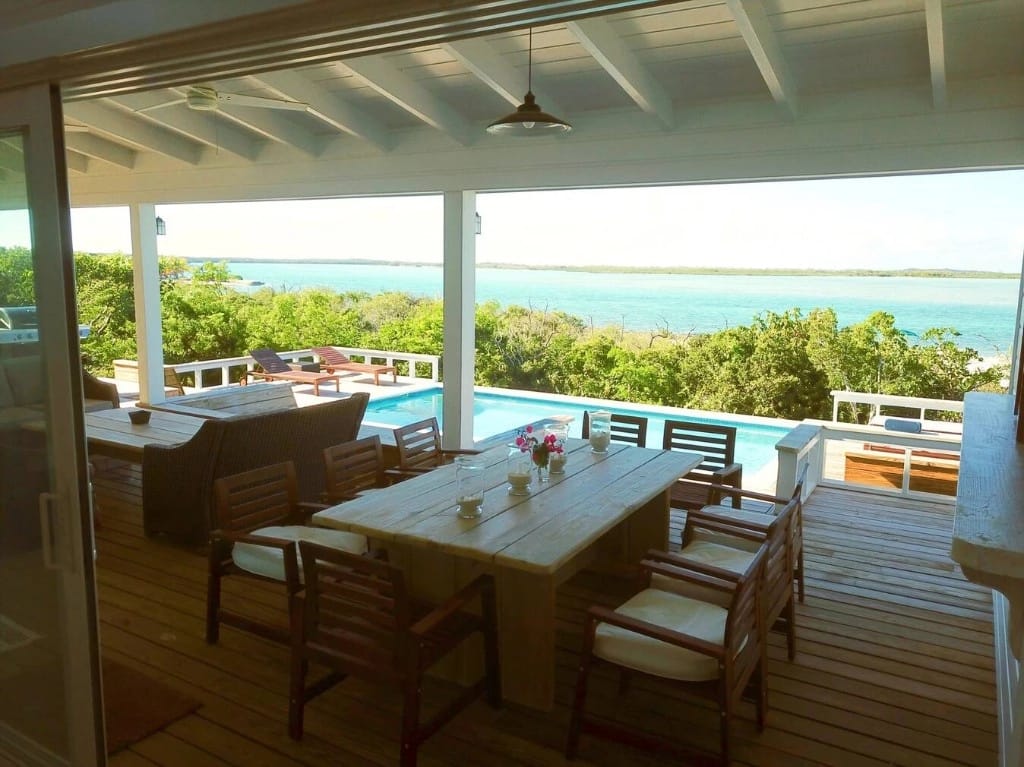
pixel 647 528
pixel 526 637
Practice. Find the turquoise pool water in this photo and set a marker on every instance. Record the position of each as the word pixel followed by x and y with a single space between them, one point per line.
pixel 496 413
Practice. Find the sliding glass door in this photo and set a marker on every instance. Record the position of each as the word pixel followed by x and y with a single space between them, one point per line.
pixel 49 661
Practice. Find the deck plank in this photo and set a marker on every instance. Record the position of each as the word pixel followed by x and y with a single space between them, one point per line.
pixel 894 666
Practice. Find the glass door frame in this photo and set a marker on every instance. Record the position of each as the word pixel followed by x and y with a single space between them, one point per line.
pixel 35 113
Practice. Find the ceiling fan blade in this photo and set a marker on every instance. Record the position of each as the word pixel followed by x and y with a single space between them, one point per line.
pixel 238 100
pixel 170 103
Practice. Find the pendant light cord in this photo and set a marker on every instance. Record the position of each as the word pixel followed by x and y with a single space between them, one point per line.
pixel 529 62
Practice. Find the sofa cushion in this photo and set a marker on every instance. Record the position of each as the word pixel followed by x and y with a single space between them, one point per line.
pixel 269 562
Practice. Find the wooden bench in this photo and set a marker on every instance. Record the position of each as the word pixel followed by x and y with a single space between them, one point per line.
pixel 128 371
pixel 930 471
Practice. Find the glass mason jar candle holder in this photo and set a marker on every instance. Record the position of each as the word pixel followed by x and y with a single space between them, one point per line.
pixel 557 458
pixel 600 430
pixel 520 470
pixel 469 484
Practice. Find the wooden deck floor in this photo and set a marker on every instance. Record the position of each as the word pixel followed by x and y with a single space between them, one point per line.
pixel 895 662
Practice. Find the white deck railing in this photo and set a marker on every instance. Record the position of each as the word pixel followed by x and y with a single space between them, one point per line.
pixel 878 401
pixel 820 445
pixel 429 364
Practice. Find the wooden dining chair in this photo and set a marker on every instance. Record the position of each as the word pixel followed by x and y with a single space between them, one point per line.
pixel 353 468
pixel 727 538
pixel 704 648
pixel 737 504
pixel 358 619
pixel 258 520
pixel 419 449
pixel 717 444
pixel 627 429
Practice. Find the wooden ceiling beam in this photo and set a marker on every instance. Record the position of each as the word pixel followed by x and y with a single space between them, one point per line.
pixel 134 131
pixel 101 149
pixel 327 107
pixel 760 37
pixel 311 32
pixel 606 46
pixel 508 82
pixel 77 163
pixel 936 51
pixel 401 89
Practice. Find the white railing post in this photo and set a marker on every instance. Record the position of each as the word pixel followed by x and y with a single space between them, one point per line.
pixel 800 447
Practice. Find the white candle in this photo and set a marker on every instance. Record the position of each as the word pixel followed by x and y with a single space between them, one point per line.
pixel 518 481
pixel 599 441
pixel 469 506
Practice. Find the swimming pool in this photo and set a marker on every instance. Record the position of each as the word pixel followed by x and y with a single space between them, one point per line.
pixel 496 411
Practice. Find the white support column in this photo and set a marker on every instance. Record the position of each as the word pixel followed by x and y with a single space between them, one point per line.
pixel 459 355
pixel 148 334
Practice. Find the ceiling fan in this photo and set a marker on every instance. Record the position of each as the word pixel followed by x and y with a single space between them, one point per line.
pixel 204 98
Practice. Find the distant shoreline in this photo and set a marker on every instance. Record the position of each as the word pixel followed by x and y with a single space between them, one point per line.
pixel 924 273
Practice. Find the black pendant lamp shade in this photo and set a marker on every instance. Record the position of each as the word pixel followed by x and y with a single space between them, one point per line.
pixel 529 119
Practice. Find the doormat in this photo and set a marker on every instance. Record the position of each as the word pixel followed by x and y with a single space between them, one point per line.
pixel 137 705
pixel 13 636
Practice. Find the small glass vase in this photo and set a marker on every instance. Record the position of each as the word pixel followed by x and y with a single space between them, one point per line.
pixel 542 473
pixel 519 471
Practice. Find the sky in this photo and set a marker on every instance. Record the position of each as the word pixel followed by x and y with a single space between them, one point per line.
pixel 958 221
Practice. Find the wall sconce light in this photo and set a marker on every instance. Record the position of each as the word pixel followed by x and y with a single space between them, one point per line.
pixel 479 222
pixel 161 226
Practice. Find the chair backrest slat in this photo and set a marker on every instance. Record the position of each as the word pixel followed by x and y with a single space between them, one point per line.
pixel 356 608
pixel 256 498
pixel 625 429
pixel 715 442
pixel 419 444
pixel 353 467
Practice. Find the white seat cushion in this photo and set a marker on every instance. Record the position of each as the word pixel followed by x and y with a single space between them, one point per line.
pixel 735 560
pixel 672 611
pixel 269 562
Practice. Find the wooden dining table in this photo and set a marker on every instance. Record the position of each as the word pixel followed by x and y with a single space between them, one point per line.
pixel 607 510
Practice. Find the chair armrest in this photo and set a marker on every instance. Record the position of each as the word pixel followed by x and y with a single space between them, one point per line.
pixel 721 523
pixel 480 585
pixel 722 489
pixel 304 510
pixel 654 631
pixel 733 469
pixel 684 569
pixel 397 475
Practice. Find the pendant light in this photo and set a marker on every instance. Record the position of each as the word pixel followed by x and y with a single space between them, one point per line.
pixel 529 119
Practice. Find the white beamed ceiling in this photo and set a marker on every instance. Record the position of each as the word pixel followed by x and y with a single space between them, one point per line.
pixel 688 92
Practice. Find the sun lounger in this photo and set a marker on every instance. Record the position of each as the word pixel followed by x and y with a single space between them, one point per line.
pixel 331 360
pixel 276 369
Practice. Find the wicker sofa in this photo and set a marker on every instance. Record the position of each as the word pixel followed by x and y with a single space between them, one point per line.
pixel 177 481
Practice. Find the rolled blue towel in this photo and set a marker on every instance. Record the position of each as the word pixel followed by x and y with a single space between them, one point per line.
pixel 902 424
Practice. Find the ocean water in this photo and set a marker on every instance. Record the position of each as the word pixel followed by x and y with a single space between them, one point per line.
pixel 982 310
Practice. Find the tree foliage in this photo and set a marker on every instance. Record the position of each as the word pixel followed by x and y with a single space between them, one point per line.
pixel 781 364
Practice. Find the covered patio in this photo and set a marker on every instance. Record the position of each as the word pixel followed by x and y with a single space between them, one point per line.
pixel 896 658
